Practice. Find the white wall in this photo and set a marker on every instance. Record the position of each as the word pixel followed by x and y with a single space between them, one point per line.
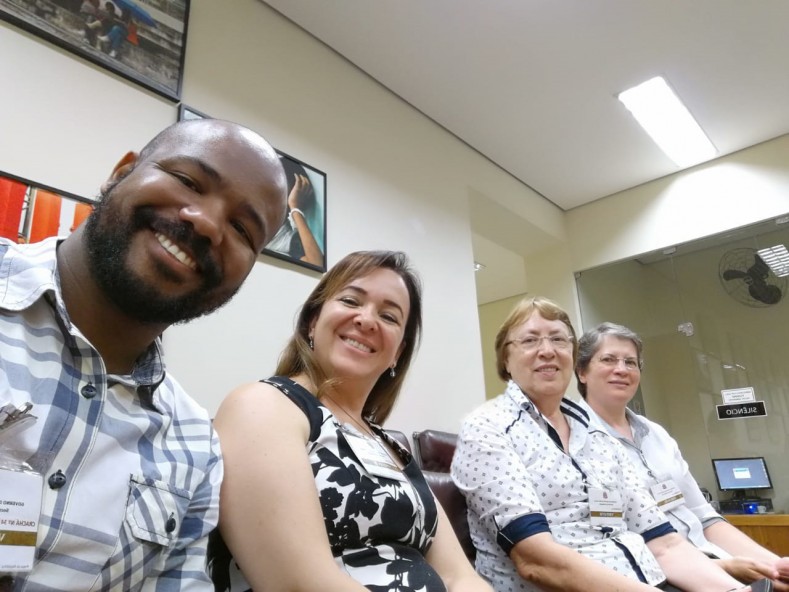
pixel 491 317
pixel 546 274
pixel 739 189
pixel 64 122
pixel 395 180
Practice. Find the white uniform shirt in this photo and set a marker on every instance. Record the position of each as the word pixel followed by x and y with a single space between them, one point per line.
pixel 656 457
pixel 519 482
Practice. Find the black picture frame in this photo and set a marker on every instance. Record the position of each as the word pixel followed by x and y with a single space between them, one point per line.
pixel 148 50
pixel 186 113
pixel 38 211
pixel 314 213
pixel 289 244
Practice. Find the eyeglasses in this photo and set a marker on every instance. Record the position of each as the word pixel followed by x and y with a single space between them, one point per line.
pixel 610 361
pixel 532 342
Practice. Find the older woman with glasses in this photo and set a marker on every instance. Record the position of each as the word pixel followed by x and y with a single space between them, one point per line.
pixel 609 371
pixel 554 503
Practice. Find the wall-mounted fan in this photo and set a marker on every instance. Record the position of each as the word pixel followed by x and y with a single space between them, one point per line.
pixel 749 280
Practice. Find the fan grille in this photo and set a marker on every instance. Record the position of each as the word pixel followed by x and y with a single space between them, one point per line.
pixel 747 279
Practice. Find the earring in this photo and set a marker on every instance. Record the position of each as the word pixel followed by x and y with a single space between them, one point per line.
pixel 392 372
pixel 312 343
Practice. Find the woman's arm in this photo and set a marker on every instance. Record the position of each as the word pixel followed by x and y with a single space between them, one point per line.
pixel 300 196
pixel 447 558
pixel 732 540
pixel 748 571
pixel 751 561
pixel 269 513
pixel 688 568
pixel 312 252
pixel 553 567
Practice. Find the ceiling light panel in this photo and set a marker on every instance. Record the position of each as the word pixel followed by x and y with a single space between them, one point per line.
pixel 668 122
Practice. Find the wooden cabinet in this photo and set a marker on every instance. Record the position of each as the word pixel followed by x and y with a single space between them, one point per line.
pixel 769 530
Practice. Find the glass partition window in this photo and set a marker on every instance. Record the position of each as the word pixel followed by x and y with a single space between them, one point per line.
pixel 712 315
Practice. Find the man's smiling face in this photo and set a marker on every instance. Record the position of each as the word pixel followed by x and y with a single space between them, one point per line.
pixel 179 229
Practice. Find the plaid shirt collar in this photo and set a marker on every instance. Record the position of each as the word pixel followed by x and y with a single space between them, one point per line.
pixel 29 272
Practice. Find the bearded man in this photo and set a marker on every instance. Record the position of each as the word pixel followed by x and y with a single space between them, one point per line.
pixel 123 465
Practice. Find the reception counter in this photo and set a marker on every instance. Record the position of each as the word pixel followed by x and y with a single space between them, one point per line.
pixel 769 530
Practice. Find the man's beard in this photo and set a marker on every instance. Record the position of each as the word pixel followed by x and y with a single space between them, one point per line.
pixel 108 238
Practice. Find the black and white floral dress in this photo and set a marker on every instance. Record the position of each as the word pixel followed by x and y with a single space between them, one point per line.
pixel 379 529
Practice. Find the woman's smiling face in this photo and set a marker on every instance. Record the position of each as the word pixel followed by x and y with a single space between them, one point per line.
pixel 613 374
pixel 359 331
pixel 544 371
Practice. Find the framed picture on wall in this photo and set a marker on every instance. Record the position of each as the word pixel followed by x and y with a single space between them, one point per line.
pixel 141 40
pixel 186 113
pixel 301 239
pixel 30 212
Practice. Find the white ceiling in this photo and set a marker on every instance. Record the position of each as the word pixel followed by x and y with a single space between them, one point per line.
pixel 531 84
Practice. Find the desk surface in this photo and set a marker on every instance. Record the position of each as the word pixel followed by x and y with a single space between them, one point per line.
pixel 769 530
pixel 758 519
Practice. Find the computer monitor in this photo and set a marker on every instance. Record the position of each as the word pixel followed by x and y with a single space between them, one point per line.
pixel 739 474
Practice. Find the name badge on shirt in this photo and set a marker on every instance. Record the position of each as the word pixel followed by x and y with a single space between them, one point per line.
pixel 373 456
pixel 667 495
pixel 605 507
pixel 20 512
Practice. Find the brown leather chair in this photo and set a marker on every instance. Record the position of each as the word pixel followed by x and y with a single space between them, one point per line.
pixel 434 450
pixel 454 505
pixel 401 438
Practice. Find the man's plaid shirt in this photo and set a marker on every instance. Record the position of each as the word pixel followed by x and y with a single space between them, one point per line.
pixel 140 460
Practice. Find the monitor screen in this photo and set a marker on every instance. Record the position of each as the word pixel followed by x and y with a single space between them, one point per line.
pixel 741 473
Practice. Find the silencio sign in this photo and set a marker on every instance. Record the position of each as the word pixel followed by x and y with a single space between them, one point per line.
pixel 738 410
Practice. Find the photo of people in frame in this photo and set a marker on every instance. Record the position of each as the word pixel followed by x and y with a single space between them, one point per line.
pixel 142 40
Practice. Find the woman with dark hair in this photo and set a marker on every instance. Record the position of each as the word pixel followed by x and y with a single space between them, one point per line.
pixel 316 495
pixel 609 368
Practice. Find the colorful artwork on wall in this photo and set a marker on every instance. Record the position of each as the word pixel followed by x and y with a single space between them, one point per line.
pixel 30 213
pixel 141 40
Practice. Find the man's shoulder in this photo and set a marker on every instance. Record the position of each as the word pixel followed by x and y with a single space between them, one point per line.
pixel 183 404
pixel 32 251
pixel 26 271
pixel 189 424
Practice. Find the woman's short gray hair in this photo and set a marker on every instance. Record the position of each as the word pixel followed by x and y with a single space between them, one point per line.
pixel 590 343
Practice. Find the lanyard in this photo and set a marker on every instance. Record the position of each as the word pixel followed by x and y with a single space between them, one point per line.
pixel 554 436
